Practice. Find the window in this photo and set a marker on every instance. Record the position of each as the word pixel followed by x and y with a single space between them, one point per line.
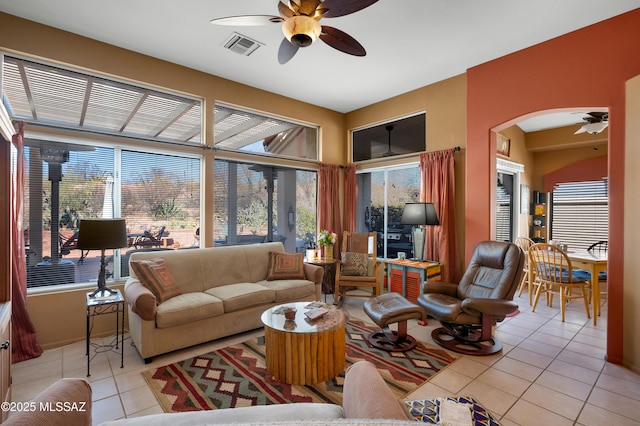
pixel 66 182
pixel 53 96
pixel 508 199
pixel 403 136
pixel 161 195
pixel 580 213
pixel 256 203
pixel 382 195
pixel 504 212
pixel 239 130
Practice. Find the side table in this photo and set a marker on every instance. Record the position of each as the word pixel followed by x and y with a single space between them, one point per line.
pixel 303 352
pixel 97 306
pixel 406 276
pixel 329 265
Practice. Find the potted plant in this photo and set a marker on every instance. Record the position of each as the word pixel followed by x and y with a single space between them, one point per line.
pixel 326 239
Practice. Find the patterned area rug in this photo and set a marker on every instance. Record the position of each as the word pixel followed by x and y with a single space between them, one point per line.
pixel 236 376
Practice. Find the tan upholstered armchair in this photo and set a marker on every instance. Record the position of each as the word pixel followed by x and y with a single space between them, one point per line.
pixel 483 297
pixel 359 266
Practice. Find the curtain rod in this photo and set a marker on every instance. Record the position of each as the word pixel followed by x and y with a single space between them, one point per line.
pixel 455 149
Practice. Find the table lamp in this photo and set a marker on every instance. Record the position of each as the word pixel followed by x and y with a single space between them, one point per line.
pixel 102 234
pixel 418 214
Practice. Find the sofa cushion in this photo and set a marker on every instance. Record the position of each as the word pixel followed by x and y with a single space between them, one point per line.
pixel 237 297
pixel 354 263
pixel 285 266
pixel 291 290
pixel 156 276
pixel 187 308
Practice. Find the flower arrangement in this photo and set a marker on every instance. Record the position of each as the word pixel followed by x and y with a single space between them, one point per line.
pixel 327 238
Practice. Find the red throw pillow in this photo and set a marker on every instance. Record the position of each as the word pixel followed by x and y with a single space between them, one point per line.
pixel 285 266
pixel 154 274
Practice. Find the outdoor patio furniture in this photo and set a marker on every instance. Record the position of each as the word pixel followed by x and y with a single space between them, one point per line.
pixel 150 240
pixel 68 243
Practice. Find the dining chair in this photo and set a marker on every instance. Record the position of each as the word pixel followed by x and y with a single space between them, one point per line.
pixel 600 248
pixel 554 275
pixel 525 243
pixel 359 266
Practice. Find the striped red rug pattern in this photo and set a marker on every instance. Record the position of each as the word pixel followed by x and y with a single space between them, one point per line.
pixel 236 376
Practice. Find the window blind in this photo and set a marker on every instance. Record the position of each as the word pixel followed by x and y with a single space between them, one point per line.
pixel 580 213
pixel 257 203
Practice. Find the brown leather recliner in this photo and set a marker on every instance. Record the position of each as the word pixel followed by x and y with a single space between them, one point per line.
pixel 468 310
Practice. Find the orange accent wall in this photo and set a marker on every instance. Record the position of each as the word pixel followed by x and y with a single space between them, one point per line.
pixel 555 75
pixel 583 171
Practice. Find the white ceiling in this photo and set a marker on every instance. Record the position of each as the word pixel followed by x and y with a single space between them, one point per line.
pixel 552 121
pixel 409 43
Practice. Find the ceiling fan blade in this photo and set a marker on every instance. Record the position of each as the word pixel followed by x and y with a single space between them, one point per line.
pixel 344 7
pixel 285 11
pixel 286 51
pixel 599 116
pixel 580 130
pixel 341 41
pixel 248 20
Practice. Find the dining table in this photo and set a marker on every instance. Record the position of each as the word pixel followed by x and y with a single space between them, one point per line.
pixel 594 263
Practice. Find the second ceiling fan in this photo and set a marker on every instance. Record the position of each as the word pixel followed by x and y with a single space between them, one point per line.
pixel 300 26
pixel 596 122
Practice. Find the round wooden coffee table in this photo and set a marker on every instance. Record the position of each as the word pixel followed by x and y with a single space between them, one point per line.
pixel 303 352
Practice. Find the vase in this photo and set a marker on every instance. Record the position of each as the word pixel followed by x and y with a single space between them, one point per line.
pixel 328 251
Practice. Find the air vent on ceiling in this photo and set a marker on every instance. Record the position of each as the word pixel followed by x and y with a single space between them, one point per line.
pixel 241 45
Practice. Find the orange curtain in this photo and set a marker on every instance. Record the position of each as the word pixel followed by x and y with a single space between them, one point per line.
pixel 24 343
pixel 329 201
pixel 438 187
pixel 350 199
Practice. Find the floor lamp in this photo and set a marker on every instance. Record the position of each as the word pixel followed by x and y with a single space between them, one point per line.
pixel 418 214
pixel 102 234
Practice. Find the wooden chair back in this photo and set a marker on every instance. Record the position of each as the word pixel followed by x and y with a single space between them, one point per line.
pixel 359 242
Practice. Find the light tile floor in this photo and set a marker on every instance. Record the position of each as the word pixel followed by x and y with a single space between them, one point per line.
pixel 549 372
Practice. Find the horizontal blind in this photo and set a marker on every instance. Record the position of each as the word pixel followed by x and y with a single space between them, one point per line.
pixel 580 215
pixel 503 215
pixel 256 203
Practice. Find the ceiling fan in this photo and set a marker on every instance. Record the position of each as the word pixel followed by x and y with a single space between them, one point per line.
pixel 300 25
pixel 596 123
pixel 389 153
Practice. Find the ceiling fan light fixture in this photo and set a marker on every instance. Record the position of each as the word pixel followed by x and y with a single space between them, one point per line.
pixel 301 31
pixel 595 128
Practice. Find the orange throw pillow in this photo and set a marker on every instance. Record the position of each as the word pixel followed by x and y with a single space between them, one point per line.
pixel 285 266
pixel 154 274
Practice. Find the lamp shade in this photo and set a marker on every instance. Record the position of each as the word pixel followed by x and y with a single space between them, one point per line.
pixel 595 128
pixel 98 234
pixel 419 214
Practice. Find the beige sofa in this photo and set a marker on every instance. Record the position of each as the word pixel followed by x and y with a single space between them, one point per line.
pixel 224 292
pixel 366 401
